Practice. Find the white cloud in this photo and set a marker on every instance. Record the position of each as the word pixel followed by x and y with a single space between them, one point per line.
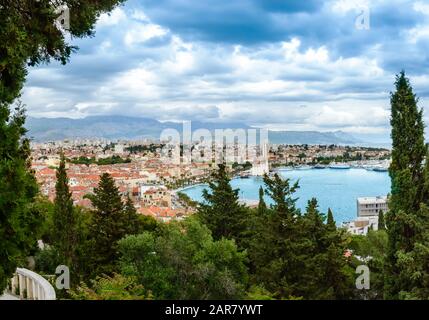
pixel 290 84
pixel 421 7
pixel 142 33
pixel 140 15
pixel 112 19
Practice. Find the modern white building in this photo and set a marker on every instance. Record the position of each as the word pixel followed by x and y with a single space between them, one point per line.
pixel 371 206
pixel 361 225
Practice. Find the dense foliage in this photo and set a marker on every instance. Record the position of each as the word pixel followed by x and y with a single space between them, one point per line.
pixel 183 261
pixel 116 287
pixel 101 162
pixel 28 36
pixel 298 255
pixel 20 218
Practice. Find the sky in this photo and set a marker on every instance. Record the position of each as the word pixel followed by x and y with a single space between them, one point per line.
pixel 278 64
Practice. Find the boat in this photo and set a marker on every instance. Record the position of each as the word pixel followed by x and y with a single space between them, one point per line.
pixel 244 175
pixel 304 167
pixel 284 169
pixel 380 169
pixel 320 166
pixel 339 166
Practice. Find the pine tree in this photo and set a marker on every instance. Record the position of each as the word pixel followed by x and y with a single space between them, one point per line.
pixel 221 211
pixel 314 221
pixel 108 225
pixel 262 206
pixel 280 191
pixel 381 224
pixel 276 249
pixel 65 222
pixel 20 220
pixel 327 273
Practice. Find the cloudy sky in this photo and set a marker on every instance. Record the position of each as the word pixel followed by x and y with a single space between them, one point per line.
pixel 280 64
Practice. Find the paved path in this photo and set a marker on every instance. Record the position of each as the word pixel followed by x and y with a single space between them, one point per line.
pixel 7 296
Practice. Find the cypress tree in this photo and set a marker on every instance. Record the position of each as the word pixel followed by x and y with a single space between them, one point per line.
pixel 262 206
pixel 331 225
pixel 408 149
pixel 64 237
pixel 381 224
pixel 221 210
pixel 407 194
pixel 132 222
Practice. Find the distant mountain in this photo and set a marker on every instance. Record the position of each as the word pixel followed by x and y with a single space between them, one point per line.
pixel 122 127
pixel 312 137
pixel 109 127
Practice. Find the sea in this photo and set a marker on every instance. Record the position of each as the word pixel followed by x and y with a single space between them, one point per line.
pixel 337 189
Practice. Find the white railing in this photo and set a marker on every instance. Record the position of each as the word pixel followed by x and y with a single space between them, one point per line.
pixel 31 286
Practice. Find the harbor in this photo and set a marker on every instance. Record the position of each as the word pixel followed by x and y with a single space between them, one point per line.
pixel 334 188
pixel 370 165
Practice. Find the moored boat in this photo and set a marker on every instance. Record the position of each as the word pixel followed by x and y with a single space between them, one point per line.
pixel 320 166
pixel 339 166
pixel 380 169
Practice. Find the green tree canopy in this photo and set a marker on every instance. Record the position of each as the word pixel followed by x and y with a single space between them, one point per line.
pixel 184 262
pixel 29 36
pixel 298 255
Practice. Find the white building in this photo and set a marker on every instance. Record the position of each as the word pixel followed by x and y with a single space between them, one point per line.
pixel 371 206
pixel 361 225
pixel 119 148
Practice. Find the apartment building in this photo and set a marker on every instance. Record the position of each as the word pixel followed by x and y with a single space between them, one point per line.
pixel 371 206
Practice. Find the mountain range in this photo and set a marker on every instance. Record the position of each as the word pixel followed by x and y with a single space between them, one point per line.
pixel 131 128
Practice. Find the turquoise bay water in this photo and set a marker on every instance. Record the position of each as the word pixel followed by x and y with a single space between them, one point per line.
pixel 334 188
